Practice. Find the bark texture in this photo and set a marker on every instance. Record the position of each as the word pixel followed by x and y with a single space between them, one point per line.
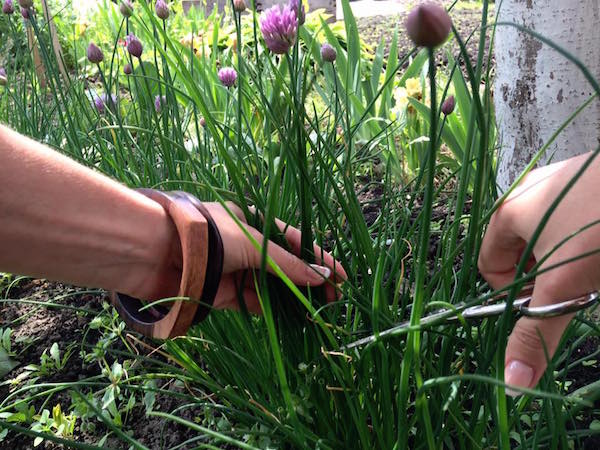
pixel 536 89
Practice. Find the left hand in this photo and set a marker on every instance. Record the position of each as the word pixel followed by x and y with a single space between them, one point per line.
pixel 241 255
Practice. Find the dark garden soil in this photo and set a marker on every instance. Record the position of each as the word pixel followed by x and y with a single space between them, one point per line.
pixel 36 328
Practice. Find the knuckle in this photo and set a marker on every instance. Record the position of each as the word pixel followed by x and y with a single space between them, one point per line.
pixel 526 336
pixel 533 338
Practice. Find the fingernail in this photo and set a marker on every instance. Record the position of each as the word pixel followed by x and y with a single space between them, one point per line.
pixel 323 271
pixel 519 374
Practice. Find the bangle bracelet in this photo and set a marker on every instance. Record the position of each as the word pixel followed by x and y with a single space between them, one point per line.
pixel 200 243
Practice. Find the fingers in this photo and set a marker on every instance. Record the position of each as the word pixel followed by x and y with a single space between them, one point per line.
pixel 501 249
pixel 228 293
pixel 295 269
pixel 294 238
pixel 532 341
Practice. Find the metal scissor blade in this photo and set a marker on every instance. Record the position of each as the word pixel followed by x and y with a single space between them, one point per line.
pixel 401 328
pixel 520 305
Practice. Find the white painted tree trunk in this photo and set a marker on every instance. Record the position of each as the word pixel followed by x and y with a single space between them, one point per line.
pixel 536 89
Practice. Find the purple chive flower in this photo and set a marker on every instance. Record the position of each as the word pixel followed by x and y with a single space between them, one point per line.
pixel 328 53
pixel 126 8
pixel 3 77
pixel 8 8
pixel 202 122
pixel 162 9
pixel 279 26
pixel 448 105
pixel 26 3
pixel 134 46
pixel 127 69
pixel 239 6
pixel 159 102
pixel 101 101
pixel 227 75
pixel 94 54
pixel 298 7
pixel 25 13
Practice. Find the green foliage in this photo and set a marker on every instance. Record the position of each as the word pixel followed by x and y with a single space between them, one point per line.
pixel 319 146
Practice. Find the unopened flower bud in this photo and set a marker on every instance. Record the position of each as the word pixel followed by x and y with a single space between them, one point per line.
pixel 134 46
pixel 239 6
pixel 159 102
pixel 328 53
pixel 94 54
pixel 162 9
pixel 428 25
pixel 127 69
pixel 202 122
pixel 25 14
pixel 126 8
pixel 448 105
pixel 3 77
pixel 8 8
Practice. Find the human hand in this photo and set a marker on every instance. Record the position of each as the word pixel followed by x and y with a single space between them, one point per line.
pixel 240 255
pixel 513 225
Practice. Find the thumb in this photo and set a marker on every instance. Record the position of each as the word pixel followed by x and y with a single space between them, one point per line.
pixel 532 341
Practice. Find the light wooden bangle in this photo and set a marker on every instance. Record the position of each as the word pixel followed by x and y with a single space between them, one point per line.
pixel 160 322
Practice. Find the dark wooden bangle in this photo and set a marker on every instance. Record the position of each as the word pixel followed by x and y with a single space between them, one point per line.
pixel 200 243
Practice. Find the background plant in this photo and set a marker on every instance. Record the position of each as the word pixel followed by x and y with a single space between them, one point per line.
pixel 292 136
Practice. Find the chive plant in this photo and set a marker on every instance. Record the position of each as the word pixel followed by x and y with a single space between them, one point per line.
pixel 289 124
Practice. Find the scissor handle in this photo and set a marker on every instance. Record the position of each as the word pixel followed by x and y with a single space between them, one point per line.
pixel 559 309
pixel 521 306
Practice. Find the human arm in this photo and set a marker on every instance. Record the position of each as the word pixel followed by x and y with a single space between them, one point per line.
pixel 63 221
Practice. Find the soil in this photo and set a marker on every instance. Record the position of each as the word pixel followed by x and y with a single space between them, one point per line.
pixel 36 328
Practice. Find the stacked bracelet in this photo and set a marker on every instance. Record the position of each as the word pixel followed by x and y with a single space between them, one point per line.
pixel 200 243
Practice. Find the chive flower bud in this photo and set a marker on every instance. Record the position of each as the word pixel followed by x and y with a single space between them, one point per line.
pixel 298 7
pixel 134 46
pixel 428 25
pixel 8 8
pixel 159 101
pixel 202 122
pixel 26 3
pixel 126 8
pixel 328 53
pixel 448 105
pixel 101 101
pixel 3 77
pixel 279 26
pixel 227 76
pixel 162 9
pixel 239 6
pixel 127 69
pixel 94 54
pixel 25 13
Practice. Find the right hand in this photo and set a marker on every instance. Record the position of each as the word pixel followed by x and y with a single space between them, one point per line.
pixel 512 226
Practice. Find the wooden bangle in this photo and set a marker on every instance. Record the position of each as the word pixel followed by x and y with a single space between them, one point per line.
pixel 193 229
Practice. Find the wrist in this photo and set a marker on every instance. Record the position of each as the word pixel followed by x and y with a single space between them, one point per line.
pixel 158 273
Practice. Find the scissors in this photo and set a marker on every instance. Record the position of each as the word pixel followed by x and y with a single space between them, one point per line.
pixel 492 307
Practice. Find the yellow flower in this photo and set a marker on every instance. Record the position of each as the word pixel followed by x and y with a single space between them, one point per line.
pixel 401 97
pixel 413 87
pixel 201 48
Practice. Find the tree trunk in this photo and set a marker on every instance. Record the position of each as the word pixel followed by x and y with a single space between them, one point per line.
pixel 536 89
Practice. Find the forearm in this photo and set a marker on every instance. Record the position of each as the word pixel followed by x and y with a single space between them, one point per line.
pixel 62 221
